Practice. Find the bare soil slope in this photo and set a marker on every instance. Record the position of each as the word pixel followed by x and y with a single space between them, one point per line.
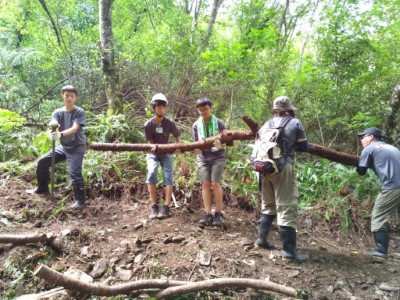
pixel 134 247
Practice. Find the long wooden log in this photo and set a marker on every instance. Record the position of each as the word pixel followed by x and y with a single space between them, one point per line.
pixel 314 149
pixel 25 238
pixel 224 138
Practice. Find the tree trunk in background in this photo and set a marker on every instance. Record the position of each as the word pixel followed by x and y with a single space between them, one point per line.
pixel 197 5
pixel 213 17
pixel 391 125
pixel 107 54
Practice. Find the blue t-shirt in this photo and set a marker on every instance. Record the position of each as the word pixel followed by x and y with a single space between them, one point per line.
pixel 66 119
pixel 384 159
pixel 209 155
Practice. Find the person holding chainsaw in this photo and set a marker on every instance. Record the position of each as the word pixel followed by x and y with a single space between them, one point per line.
pixel 67 123
pixel 278 184
pixel 211 162
pixel 384 160
pixel 157 131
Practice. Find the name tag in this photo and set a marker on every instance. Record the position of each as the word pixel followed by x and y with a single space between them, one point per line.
pixel 159 130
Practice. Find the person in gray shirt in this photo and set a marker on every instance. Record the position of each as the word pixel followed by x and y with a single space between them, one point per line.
pixel 157 131
pixel 69 120
pixel 384 160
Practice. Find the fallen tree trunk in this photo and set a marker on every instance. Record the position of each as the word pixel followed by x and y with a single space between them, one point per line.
pixel 224 138
pixel 321 151
pixel 25 239
pixel 172 287
pixel 233 283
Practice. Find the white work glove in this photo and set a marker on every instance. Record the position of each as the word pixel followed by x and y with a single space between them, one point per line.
pixel 217 144
pixel 54 124
pixel 55 135
pixel 154 148
pixel 196 151
pixel 177 152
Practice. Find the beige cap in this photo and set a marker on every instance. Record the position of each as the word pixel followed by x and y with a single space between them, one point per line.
pixel 283 103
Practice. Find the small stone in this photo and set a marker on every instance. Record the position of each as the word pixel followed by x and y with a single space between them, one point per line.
pixel 123 275
pixel 293 273
pixel 138 259
pixel 99 268
pixel 66 232
pixel 204 258
pixel 138 226
pixel 389 287
pixel 85 251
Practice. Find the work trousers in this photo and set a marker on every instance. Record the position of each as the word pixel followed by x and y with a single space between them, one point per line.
pixel 74 158
pixel 279 196
pixel 387 202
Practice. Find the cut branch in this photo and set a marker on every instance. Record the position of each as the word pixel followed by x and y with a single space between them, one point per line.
pixel 324 152
pixel 25 239
pixel 71 283
pixel 233 283
pixel 225 138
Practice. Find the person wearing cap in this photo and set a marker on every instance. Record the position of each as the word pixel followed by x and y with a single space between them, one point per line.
pixel 384 160
pixel 211 162
pixel 157 131
pixel 279 191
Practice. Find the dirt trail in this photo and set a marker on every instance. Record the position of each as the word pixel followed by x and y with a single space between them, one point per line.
pixel 120 232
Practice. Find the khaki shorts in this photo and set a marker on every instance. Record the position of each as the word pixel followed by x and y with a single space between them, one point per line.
pixel 211 171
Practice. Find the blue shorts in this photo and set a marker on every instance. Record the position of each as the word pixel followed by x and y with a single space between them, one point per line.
pixel 167 167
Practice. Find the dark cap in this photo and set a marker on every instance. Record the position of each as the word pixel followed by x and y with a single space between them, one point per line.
pixel 371 131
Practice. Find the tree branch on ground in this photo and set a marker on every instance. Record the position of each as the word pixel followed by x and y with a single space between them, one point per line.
pixel 71 283
pixel 232 283
pixel 25 238
pixel 172 288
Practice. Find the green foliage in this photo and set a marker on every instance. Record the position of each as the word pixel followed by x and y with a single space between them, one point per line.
pixel 336 188
pixel 10 121
pixel 41 143
pixel 112 128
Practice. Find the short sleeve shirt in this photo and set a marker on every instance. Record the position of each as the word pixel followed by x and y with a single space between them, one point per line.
pixel 384 159
pixel 66 119
pixel 292 132
pixel 208 155
pixel 159 134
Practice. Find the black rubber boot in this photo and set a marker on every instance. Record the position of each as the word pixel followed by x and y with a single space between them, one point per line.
pixel 43 183
pixel 79 196
pixel 288 238
pixel 263 230
pixel 381 244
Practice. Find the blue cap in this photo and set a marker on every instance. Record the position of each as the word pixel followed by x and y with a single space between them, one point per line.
pixel 371 131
